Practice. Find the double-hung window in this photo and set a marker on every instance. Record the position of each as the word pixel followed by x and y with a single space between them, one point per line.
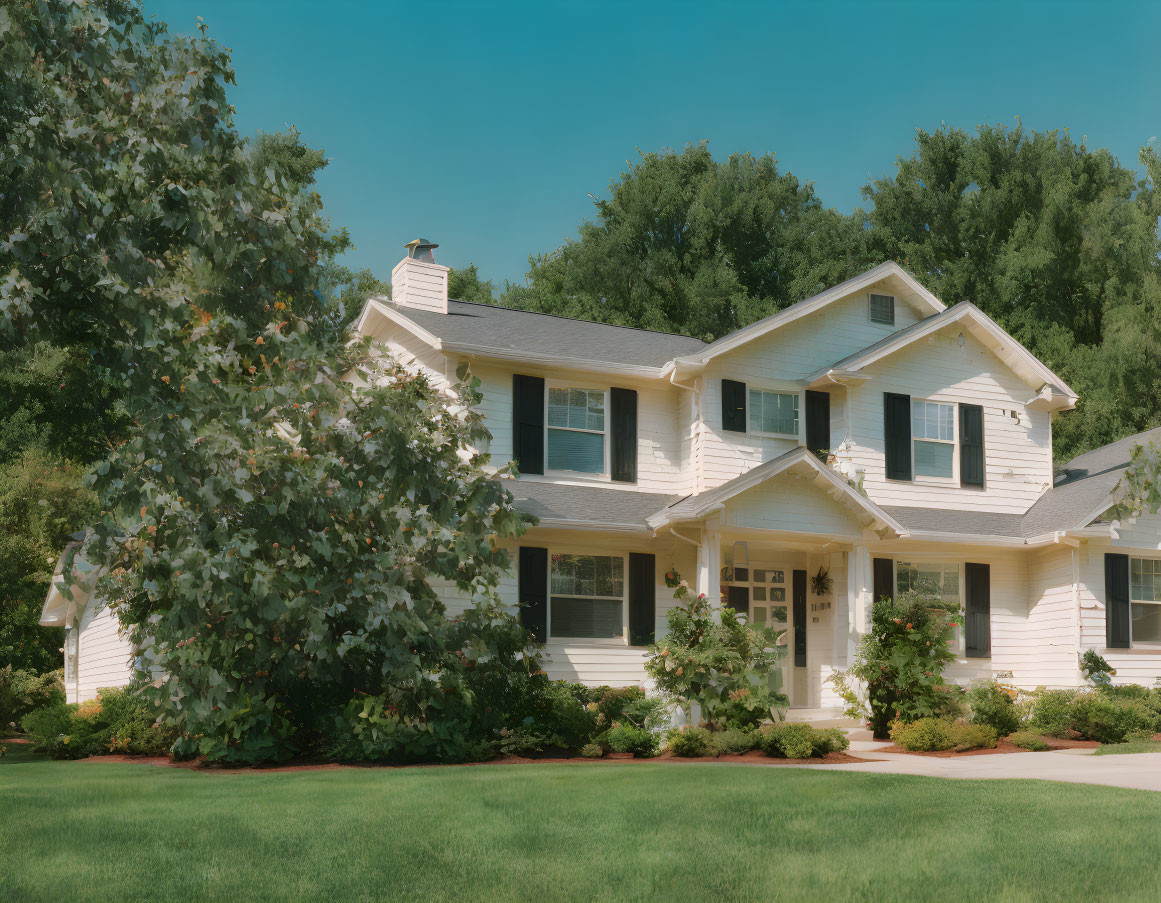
pixel 576 430
pixel 774 412
pixel 587 596
pixel 1145 600
pixel 929 578
pixel 933 435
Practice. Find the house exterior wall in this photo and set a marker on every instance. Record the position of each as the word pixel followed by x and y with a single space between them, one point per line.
pixel 105 658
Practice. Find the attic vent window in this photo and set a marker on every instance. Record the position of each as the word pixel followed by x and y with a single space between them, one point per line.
pixel 883 309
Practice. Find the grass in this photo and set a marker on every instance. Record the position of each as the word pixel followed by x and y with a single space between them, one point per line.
pixel 81 831
pixel 1133 746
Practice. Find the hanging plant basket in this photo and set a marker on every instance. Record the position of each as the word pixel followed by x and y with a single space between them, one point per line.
pixel 822 583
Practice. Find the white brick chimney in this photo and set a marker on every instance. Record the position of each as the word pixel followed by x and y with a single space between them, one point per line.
pixel 418 281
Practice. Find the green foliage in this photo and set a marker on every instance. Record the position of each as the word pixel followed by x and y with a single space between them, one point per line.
pixel 735 742
pixel 973 736
pixel 689 245
pixel 23 691
pixel 1050 712
pixel 717 660
pixel 799 740
pixel 629 738
pixel 690 742
pixel 1027 740
pixel 118 721
pixel 592 750
pixel 465 284
pixel 609 703
pixel 994 706
pixel 898 669
pixel 923 734
pixel 1095 668
pixel 42 502
pixel 1097 716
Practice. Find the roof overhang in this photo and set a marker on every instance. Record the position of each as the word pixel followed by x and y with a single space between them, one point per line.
pixel 59 610
pixel 884 271
pixel 800 461
pixel 1053 393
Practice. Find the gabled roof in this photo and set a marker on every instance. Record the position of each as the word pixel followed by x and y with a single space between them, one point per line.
pixel 502 332
pixel 1025 364
pixel 888 270
pixel 697 506
pixel 58 611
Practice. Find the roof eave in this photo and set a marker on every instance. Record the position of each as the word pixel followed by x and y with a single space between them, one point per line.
pixel 556 360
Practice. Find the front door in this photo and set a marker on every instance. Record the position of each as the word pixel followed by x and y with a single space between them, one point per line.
pixel 798 616
pixel 769 607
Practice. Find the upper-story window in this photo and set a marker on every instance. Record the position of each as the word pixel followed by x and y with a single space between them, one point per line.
pixel 774 412
pixel 576 430
pixel 882 309
pixel 933 432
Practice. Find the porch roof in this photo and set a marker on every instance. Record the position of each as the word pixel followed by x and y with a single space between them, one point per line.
pixel 801 460
pixel 586 507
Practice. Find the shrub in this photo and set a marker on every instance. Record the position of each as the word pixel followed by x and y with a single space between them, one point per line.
pixel 608 703
pixel 729 667
pixel 735 742
pixel 991 705
pixel 798 740
pixel 592 751
pixel 972 736
pixel 118 721
pixel 1096 716
pixel 1145 695
pixel 1050 712
pixel 690 742
pixel 923 735
pixel 1027 740
pixel 898 669
pixel 628 738
pixel 23 691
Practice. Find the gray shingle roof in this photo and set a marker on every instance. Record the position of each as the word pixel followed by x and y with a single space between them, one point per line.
pixel 507 331
pixel 586 505
pixel 943 520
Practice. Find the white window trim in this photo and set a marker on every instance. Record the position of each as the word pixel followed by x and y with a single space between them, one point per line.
pixel 894 309
pixel 605 475
pixel 927 479
pixel 1144 644
pixel 959 642
pixel 618 642
pixel 776 390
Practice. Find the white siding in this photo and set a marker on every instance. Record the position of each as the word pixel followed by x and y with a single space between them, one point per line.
pixel 1053 629
pixel 1018 450
pixel 105 658
pixel 793 504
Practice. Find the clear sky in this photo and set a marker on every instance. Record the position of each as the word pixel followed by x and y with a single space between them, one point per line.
pixel 485 126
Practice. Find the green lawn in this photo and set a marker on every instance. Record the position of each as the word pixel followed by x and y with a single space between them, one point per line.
pixel 76 831
pixel 1122 749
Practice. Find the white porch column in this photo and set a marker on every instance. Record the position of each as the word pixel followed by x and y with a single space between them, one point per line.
pixel 709 566
pixel 858 596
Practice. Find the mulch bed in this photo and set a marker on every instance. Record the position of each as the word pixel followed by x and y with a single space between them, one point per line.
pixel 755 757
pixel 1002 747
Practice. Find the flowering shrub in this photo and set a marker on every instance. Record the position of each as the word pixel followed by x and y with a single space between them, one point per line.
pixel 712 657
pixel 118 721
pixel 898 669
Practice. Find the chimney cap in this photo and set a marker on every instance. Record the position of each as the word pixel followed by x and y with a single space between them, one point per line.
pixel 420 249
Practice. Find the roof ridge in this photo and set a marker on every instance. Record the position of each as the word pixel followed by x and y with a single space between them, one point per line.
pixel 539 313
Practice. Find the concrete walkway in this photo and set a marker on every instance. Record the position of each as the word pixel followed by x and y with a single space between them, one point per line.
pixel 1138 771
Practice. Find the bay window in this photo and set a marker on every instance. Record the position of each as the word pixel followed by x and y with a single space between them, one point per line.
pixel 587 598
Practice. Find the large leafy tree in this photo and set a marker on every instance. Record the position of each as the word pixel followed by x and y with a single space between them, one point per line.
pixel 273 519
pixel 689 245
pixel 1057 242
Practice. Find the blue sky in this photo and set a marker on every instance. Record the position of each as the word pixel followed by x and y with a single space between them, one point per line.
pixel 484 127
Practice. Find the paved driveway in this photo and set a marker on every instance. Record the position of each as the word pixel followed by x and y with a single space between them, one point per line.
pixel 1139 771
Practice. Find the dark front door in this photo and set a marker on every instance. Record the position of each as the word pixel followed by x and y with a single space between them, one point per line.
pixel 799 604
pixel 738 598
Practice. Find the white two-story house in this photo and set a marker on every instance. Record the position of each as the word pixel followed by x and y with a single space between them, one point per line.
pixel 869 435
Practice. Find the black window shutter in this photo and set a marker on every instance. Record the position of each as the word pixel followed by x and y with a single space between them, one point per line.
pixel 733 406
pixel 799 609
pixel 533 591
pixel 883 579
pixel 897 435
pixel 528 423
pixel 817 421
pixel 1116 601
pixel 623 419
pixel 642 599
pixel 977 581
pixel 971 445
